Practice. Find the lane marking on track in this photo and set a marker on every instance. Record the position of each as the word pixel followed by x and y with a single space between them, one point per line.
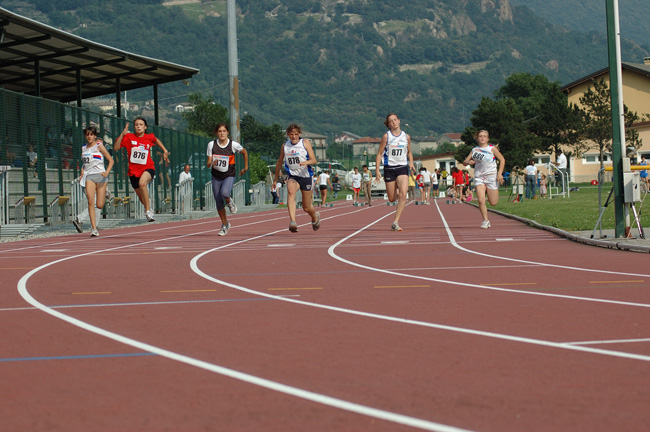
pixel 615 341
pixel 54 250
pixel 188 291
pixel 76 357
pixel 152 228
pixel 395 242
pixel 297 289
pixel 616 281
pixel 453 242
pixel 504 239
pixel 511 284
pixel 531 341
pixel 91 293
pixel 281 245
pixel 176 302
pixel 244 377
pixel 332 253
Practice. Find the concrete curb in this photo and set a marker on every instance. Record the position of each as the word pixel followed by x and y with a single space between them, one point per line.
pixel 614 243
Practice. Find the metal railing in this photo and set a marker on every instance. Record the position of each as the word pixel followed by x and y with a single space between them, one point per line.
pixel 4 194
pixel 185 196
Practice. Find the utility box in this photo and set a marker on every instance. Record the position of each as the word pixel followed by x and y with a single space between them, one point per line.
pixel 632 186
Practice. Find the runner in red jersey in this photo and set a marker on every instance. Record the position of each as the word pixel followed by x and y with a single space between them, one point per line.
pixel 138 146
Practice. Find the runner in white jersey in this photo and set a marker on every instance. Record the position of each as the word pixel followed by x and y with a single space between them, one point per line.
pixel 94 175
pixel 297 155
pixel 487 175
pixel 395 153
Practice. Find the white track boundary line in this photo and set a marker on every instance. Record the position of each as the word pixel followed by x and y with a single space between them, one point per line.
pixel 231 373
pixel 452 239
pixel 333 254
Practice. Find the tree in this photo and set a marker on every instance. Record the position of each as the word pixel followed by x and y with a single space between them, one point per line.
pixel 262 139
pixel 504 121
pixel 204 116
pixel 596 127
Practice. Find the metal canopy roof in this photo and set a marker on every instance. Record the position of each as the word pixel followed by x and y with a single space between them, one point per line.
pixel 40 60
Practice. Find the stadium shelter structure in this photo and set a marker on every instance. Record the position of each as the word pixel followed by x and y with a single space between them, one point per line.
pixel 45 74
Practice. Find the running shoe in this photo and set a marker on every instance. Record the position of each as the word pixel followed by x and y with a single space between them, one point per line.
pixel 293 226
pixel 109 195
pixel 77 224
pixel 316 225
pixel 232 207
pixel 94 233
pixel 149 214
pixel 224 229
pixel 485 224
pixel 395 227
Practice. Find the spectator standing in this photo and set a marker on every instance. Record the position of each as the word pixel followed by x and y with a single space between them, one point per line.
pixel 531 178
pixel 434 184
pixel 356 184
pixel 561 164
pixel 366 184
pixel 542 186
pixel 644 173
pixel 185 174
pixel 323 183
pixel 336 186
pixel 411 192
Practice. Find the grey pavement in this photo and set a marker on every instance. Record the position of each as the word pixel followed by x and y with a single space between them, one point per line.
pixel 604 238
pixel 15 232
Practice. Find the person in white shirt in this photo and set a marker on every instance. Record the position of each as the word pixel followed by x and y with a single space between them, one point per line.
pixel 561 163
pixel 427 185
pixel 531 179
pixel 356 184
pixel 323 182
pixel 185 175
pixel 434 184
pixel 94 175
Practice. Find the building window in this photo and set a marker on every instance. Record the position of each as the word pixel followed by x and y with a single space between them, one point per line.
pixel 595 158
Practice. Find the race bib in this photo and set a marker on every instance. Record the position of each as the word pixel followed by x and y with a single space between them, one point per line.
pixel 86 158
pixel 220 162
pixel 139 155
pixel 293 162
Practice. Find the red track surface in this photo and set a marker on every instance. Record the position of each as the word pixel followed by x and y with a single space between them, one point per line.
pixel 443 326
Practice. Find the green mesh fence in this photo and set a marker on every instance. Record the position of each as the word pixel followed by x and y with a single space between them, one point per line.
pixel 55 133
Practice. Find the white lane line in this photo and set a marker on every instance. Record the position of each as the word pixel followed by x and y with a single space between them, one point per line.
pixel 615 341
pixel 333 254
pixel 452 239
pixel 251 379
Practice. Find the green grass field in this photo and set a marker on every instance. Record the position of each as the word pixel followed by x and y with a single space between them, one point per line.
pixel 578 212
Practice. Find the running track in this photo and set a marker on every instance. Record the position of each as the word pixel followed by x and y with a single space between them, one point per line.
pixel 441 327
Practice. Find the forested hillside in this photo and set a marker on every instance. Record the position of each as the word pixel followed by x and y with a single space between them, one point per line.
pixel 342 65
pixel 590 16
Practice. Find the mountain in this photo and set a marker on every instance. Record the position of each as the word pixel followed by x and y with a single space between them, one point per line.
pixel 341 65
pixel 591 16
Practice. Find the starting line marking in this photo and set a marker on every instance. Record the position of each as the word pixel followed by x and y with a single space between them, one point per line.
pixel 617 281
pixel 505 239
pixel 395 242
pixel 282 245
pixel 289 289
pixel 187 291
pixel 91 293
